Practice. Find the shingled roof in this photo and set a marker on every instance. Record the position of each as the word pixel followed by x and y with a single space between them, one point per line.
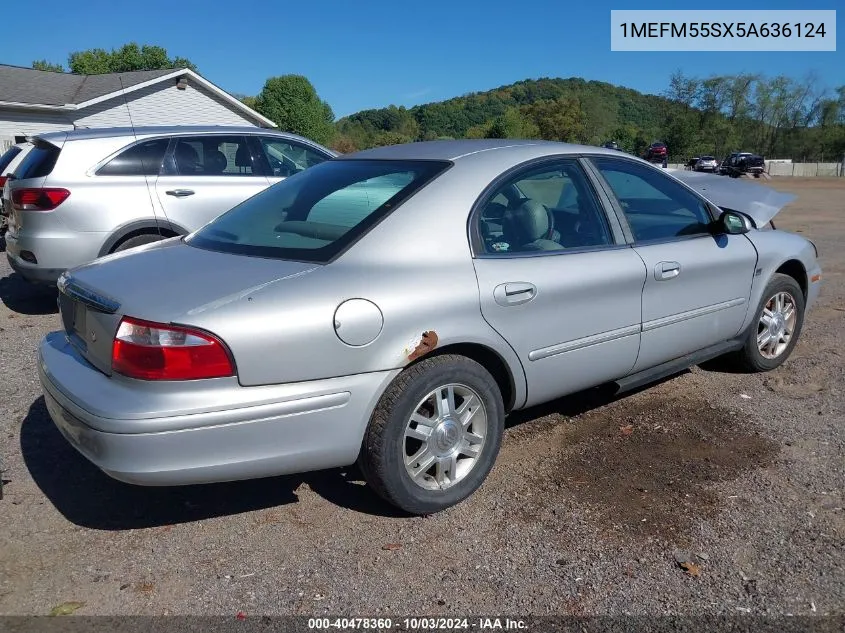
pixel 42 87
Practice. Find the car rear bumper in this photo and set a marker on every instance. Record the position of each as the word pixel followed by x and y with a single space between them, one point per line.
pixel 32 272
pixel 177 437
pixel 54 253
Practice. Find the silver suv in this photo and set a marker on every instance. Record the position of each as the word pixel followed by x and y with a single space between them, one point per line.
pixel 83 194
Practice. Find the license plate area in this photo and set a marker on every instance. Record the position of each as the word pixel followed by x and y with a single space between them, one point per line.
pixel 74 317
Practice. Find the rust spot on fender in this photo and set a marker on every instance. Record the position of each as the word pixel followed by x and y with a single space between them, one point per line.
pixel 427 343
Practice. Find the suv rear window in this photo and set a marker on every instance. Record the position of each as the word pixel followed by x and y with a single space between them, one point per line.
pixel 8 156
pixel 39 162
pixel 142 159
pixel 315 214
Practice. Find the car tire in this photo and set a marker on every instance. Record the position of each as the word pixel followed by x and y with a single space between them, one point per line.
pixel 138 240
pixel 752 357
pixel 396 460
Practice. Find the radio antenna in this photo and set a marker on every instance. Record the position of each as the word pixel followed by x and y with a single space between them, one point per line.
pixel 143 157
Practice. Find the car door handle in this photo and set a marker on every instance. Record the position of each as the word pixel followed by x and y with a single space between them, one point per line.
pixel 666 270
pixel 180 193
pixel 514 293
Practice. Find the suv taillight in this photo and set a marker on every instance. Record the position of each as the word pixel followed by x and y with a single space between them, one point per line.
pixel 41 199
pixel 3 181
pixel 155 351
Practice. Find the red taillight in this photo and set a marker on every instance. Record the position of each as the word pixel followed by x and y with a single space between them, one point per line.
pixel 42 199
pixel 155 351
pixel 3 181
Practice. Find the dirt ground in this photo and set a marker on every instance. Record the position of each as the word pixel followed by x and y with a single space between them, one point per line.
pixel 591 507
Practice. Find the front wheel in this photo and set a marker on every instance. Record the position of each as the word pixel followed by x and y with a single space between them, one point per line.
pixel 777 326
pixel 434 435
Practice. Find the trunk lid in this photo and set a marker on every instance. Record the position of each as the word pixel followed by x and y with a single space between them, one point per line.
pixel 166 282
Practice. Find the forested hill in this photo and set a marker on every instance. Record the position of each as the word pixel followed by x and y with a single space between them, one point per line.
pixel 590 110
pixel 715 116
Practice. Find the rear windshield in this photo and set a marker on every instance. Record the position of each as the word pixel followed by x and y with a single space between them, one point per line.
pixel 707 158
pixel 7 157
pixel 39 162
pixel 315 214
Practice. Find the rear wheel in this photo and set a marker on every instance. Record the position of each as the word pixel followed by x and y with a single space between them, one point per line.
pixel 776 327
pixel 434 435
pixel 138 240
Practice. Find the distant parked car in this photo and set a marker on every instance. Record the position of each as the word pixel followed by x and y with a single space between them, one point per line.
pixel 611 145
pixel 83 194
pixel 391 306
pixel 9 161
pixel 706 163
pixel 691 163
pixel 657 152
pixel 738 164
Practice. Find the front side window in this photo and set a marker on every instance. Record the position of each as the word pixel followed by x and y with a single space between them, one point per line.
pixel 315 214
pixel 656 206
pixel 286 158
pixel 549 208
pixel 142 159
pixel 213 156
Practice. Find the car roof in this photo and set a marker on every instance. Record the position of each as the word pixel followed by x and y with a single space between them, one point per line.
pixel 465 149
pixel 160 130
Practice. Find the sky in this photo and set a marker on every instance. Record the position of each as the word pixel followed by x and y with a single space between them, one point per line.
pixel 373 53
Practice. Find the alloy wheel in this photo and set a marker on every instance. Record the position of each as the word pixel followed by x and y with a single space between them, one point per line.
pixel 776 325
pixel 444 437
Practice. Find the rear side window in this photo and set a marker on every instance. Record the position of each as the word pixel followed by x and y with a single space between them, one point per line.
pixel 39 162
pixel 8 157
pixel 315 214
pixel 213 156
pixel 143 159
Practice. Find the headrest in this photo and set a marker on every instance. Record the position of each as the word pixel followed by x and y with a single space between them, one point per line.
pixel 242 157
pixel 214 161
pixel 527 223
pixel 187 159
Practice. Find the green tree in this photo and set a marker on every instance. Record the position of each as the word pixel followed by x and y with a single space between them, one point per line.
pixel 129 57
pixel 43 64
pixel 558 120
pixel 391 138
pixel 512 124
pixel 344 144
pixel 292 103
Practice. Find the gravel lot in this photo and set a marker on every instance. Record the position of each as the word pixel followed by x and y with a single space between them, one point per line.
pixel 742 475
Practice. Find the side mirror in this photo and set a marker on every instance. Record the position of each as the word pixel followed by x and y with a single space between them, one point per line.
pixel 735 223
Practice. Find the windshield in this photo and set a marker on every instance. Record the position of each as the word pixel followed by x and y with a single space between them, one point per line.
pixel 315 214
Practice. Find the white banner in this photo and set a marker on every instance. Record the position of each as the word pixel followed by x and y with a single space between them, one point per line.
pixel 712 30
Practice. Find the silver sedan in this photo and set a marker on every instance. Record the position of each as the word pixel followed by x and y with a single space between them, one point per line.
pixel 391 307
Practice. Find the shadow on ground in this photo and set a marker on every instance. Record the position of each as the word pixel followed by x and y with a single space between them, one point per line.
pixel 91 499
pixel 25 298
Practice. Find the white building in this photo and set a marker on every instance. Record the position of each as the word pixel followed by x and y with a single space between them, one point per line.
pixel 34 101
